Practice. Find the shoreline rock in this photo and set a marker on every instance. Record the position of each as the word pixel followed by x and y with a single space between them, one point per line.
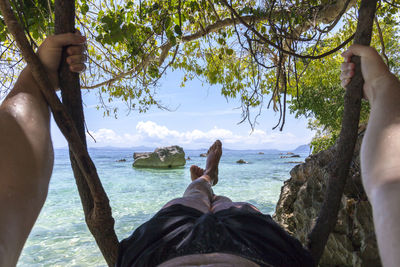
pixel 164 157
pixel 287 153
pixel 352 242
pixel 290 156
pixel 241 161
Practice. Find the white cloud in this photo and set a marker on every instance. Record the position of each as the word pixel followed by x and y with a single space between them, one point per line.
pixel 149 133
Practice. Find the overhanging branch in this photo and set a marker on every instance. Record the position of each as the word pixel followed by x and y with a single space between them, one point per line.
pixel 61 116
pixel 327 217
pixel 269 42
pixel 97 214
pixel 324 14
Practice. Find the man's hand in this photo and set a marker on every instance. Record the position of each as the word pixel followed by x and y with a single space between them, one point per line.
pixel 50 54
pixel 373 68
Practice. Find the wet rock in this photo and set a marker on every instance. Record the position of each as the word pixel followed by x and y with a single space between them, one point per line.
pixel 290 156
pixel 121 160
pixel 241 161
pixel 165 157
pixel 287 153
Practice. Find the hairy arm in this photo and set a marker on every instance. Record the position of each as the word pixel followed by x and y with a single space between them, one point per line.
pixel 26 150
pixel 380 151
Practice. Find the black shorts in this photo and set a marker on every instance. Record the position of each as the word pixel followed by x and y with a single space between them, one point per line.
pixel 180 230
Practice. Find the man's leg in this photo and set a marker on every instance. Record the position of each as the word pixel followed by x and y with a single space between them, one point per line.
pixel 219 203
pixel 199 194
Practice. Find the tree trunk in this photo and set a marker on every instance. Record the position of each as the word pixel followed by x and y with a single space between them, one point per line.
pixel 327 217
pixel 97 214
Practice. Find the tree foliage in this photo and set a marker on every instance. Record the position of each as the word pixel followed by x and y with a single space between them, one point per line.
pixel 264 52
pixel 320 96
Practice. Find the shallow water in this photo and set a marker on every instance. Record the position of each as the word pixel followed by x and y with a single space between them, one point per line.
pixel 61 238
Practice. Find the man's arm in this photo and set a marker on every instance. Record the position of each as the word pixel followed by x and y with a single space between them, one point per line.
pixel 380 151
pixel 26 150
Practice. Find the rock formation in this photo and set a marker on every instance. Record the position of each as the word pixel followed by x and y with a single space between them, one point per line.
pixel 290 156
pixel 352 243
pixel 241 161
pixel 165 157
pixel 287 153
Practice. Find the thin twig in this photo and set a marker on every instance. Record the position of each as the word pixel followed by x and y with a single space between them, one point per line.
pixel 265 40
pixel 382 41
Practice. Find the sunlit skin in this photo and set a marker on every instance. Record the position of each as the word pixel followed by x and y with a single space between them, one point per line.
pixel 26 150
pixel 380 151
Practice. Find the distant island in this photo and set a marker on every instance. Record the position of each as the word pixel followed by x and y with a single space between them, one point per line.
pixel 300 149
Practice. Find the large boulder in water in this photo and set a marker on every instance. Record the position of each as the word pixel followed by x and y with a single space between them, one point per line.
pixel 352 242
pixel 164 157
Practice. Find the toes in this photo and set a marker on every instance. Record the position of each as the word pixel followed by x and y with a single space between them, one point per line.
pixel 196 172
pixel 216 147
pixel 193 169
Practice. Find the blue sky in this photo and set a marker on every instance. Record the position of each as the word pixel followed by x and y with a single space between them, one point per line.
pixel 202 115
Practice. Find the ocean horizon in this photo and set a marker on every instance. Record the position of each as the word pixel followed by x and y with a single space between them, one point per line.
pixel 60 236
pixel 299 149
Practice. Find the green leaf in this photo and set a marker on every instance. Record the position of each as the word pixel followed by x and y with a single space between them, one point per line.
pixel 153 71
pixel 178 30
pixel 167 23
pixel 84 9
pixel 221 41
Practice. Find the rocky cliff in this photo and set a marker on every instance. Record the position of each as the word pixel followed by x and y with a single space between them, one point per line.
pixel 352 243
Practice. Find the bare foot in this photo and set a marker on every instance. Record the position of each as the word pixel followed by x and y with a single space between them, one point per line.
pixel 214 155
pixel 196 172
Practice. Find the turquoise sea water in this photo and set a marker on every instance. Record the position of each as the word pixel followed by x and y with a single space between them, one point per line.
pixel 60 236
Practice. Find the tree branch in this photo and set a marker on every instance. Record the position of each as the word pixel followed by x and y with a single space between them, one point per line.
pixel 166 47
pixel 327 217
pixel 122 75
pixel 382 41
pixel 97 214
pixel 268 42
pixel 61 116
